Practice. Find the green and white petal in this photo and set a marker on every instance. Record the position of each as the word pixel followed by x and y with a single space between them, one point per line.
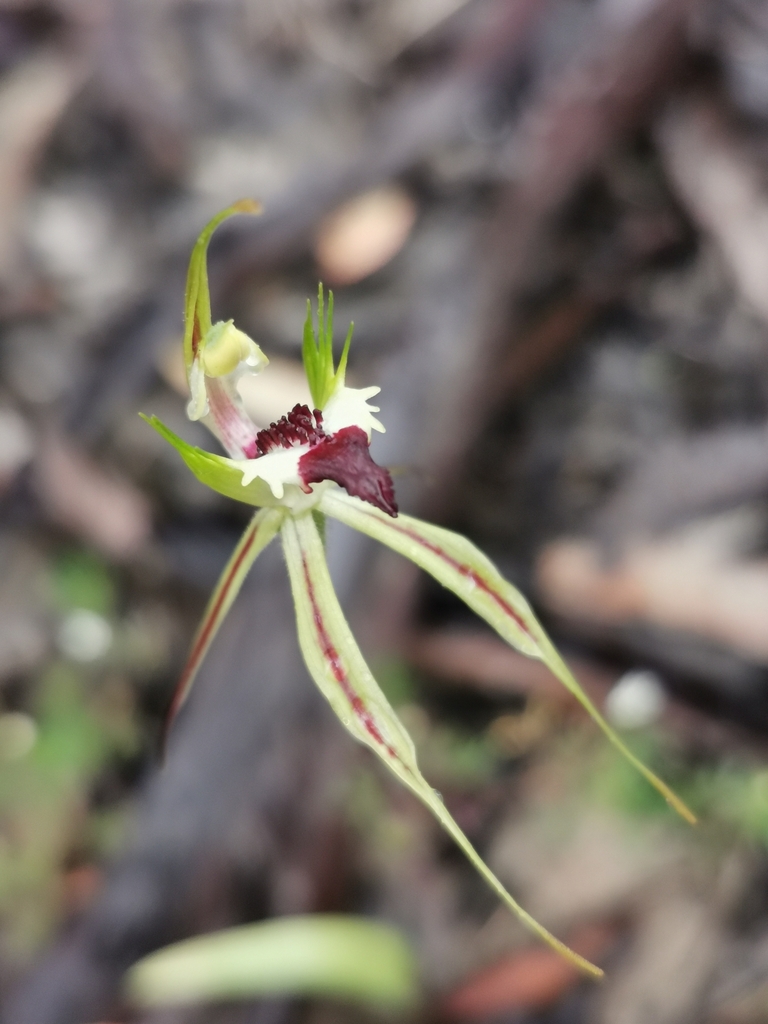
pixel 461 567
pixel 335 663
pixel 226 475
pixel 260 531
pixel 215 471
pixel 332 656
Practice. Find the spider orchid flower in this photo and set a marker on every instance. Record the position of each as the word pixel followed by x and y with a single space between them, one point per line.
pixel 314 463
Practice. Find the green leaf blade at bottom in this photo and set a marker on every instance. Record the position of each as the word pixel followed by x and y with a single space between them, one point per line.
pixel 315 955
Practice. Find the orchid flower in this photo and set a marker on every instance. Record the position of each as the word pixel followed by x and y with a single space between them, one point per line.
pixel 314 463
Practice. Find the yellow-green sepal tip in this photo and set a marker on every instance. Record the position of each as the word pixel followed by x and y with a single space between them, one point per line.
pixel 197 299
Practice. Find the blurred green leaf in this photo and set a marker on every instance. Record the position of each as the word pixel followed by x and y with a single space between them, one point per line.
pixel 396 680
pixel 43 796
pixel 82 580
pixel 735 797
pixel 611 780
pixel 342 957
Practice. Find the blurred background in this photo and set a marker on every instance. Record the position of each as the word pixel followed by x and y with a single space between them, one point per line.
pixel 549 222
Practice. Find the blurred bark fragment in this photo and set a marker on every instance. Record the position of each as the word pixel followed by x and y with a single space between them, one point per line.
pixel 685 478
pixel 740 991
pixel 603 280
pixel 529 979
pixel 103 510
pixel 666 975
pixel 599 98
pixel 23 639
pixel 32 98
pixel 469 657
pixel 692 580
pixel 722 185
pixel 363 235
pixel 17 445
pixel 132 78
pixel 569 127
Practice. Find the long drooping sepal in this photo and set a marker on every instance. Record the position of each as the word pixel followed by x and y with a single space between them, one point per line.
pixel 461 567
pixel 197 299
pixel 335 663
pixel 261 529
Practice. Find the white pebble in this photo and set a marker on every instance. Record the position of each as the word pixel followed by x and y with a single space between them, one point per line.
pixel 84 635
pixel 637 700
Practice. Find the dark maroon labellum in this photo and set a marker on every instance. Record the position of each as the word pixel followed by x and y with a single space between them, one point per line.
pixel 344 457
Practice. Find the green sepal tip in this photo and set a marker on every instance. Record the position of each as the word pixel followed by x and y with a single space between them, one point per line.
pixel 197 297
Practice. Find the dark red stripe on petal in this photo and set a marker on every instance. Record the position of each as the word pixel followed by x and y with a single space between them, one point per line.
pixel 469 573
pixel 208 628
pixel 344 457
pixel 331 655
pixel 196 334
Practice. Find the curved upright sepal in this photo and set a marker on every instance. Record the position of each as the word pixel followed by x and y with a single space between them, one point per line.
pixel 260 531
pixel 197 299
pixel 335 663
pixel 461 567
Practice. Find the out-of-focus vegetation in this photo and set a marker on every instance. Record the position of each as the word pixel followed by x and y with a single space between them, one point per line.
pixel 551 214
